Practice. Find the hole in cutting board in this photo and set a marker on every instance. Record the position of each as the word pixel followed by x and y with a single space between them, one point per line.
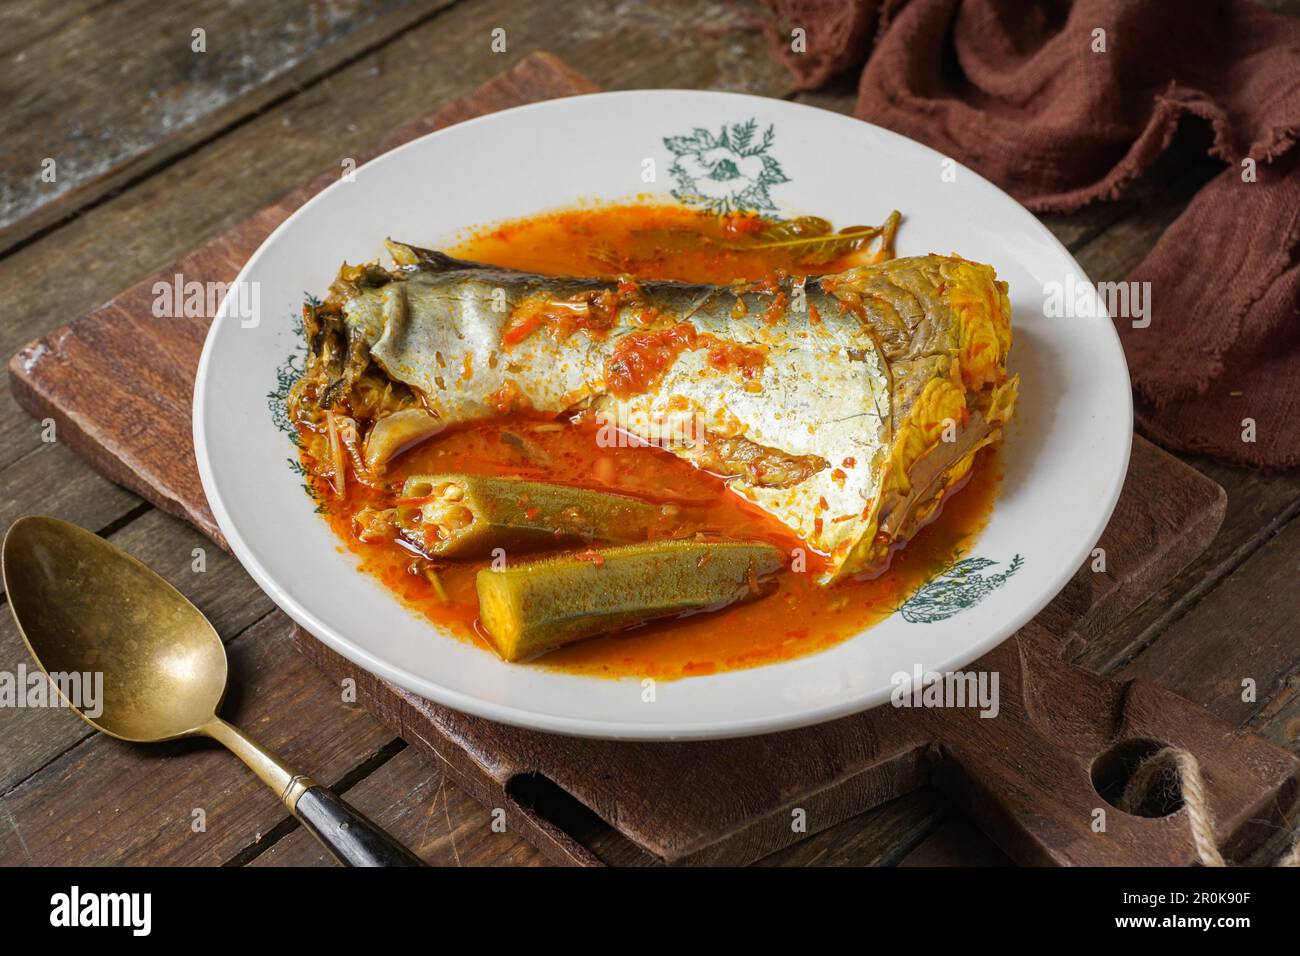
pixel 545 798
pixel 1158 792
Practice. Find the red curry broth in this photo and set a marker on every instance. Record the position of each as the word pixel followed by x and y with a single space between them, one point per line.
pixel 798 618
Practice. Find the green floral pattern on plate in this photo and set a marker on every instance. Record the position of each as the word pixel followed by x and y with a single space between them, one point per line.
pixel 955 588
pixel 728 171
pixel 277 400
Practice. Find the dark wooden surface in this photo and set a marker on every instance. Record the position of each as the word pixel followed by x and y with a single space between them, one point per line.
pixel 658 803
pixel 118 383
pixel 1227 617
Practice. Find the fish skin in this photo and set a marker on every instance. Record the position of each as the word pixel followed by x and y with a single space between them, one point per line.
pixel 842 386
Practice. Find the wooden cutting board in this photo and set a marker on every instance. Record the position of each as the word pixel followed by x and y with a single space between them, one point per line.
pixel 118 383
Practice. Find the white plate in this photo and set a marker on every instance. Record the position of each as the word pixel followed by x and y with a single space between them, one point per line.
pixel 1064 460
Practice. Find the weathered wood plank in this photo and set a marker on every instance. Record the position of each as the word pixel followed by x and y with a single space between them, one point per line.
pixel 51 480
pixel 1163 501
pixel 107 802
pixel 1258 505
pixel 879 837
pixel 24 22
pixel 140 94
pixel 228 596
pixel 1279 720
pixel 956 843
pixel 1248 631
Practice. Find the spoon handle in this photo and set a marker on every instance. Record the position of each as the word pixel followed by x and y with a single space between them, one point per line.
pixel 348 834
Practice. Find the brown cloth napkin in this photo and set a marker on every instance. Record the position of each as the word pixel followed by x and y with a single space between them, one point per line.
pixel 1016 90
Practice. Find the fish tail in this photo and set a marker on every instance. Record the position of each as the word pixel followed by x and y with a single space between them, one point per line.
pixel 427 260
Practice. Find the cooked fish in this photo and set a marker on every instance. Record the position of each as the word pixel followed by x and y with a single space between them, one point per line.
pixel 846 406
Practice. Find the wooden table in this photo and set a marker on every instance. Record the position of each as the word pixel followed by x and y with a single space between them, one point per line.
pixel 157 148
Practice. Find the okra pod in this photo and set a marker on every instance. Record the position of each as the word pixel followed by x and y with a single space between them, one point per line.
pixel 536 606
pixel 468 516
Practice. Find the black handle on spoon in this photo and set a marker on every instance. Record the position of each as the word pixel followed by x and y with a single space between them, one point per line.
pixel 347 833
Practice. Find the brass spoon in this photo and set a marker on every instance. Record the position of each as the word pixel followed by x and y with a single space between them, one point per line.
pixel 83 605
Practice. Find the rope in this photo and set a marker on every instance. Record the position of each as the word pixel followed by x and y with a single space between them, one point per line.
pixel 1153 776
